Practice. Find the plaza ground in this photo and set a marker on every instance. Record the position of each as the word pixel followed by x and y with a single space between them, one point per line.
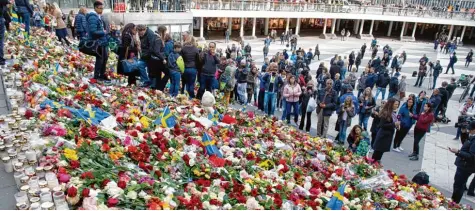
pixel 435 158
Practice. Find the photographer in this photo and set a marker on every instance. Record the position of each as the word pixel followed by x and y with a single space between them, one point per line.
pixel 466 111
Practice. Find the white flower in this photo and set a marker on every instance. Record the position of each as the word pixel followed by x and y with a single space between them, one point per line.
pixel 307 185
pixel 142 194
pixel 191 162
pixel 131 195
pixel 206 205
pixel 63 163
pixel 103 207
pixel 247 188
pixel 290 185
pixel 93 193
pixel 213 195
pixel 133 182
pixel 227 207
pixel 221 196
pixel 327 184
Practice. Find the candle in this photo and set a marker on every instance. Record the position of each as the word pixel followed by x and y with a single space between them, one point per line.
pixel 17 176
pixel 8 164
pixel 45 197
pixel 30 155
pixel 21 197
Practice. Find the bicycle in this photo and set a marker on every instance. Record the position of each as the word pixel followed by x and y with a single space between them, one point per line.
pixel 465 92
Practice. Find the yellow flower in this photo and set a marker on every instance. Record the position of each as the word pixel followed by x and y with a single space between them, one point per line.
pixel 115 155
pixel 145 123
pixel 70 154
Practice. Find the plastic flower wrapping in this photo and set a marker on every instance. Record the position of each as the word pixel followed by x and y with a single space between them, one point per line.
pixel 118 147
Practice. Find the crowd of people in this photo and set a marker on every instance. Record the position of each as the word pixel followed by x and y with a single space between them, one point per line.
pixel 284 82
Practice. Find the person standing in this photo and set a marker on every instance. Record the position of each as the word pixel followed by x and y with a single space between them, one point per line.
pixel 317 52
pixel 469 58
pixel 345 114
pixel 241 75
pixel 382 83
pixel 451 64
pixel 152 51
pixel 191 60
pixel 393 86
pixel 292 92
pixel 342 35
pixel 80 24
pixel 70 23
pixel 387 125
pixel 24 12
pixel 351 61
pixel 375 123
pixel 437 69
pixel 421 74
pixel 265 51
pixel 361 87
pixel 282 38
pixel 362 49
pixel 451 87
pixel 209 68
pixel 422 126
pixel 444 99
pixel 96 31
pixel 366 105
pixel 308 57
pixel 174 70
pixel 406 116
pixel 358 60
pixel 305 113
pixel 227 36
pixel 60 28
pixel 327 100
pixel 464 166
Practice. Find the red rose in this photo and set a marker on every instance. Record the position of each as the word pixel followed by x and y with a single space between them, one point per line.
pixel 104 182
pixel 122 184
pixel 105 147
pixel 72 191
pixel 74 164
pixel 112 202
pixel 29 114
pixel 186 159
pixel 85 192
pixel 278 201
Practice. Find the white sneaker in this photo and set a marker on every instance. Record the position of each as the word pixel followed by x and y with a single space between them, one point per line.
pixel 371 150
pixel 400 148
pixel 396 150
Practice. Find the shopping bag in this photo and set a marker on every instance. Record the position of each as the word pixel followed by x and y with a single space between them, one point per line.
pixel 311 105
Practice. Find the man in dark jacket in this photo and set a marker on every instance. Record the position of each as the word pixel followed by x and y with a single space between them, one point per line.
pixel 24 12
pixel 80 23
pixel 421 74
pixel 451 88
pixel 241 75
pixel 265 51
pixel 435 101
pixel 371 79
pixel 464 166
pixel 210 62
pixel 382 83
pixel 96 31
pixel 334 70
pixel 362 49
pixel 444 98
pixel 437 69
pixel 152 52
pixel 451 64
pixel 3 5
pixel 326 104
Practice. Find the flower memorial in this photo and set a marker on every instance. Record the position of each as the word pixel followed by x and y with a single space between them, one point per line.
pixel 116 147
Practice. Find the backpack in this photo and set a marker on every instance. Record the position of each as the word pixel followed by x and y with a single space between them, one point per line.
pixel 180 64
pixel 393 85
pixel 421 178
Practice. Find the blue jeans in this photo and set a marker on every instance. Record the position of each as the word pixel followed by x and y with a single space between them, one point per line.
pixel 37 23
pixel 295 107
pixel 391 94
pixel 359 92
pixel 25 18
pixel 101 61
pixel 206 83
pixel 174 83
pixel 342 131
pixel 434 81
pixel 363 120
pixel 283 117
pixel 242 94
pixel 227 39
pixel 190 75
pixel 144 77
pixel 343 71
pixel 458 133
pixel 269 101
pixel 380 90
pixel 2 37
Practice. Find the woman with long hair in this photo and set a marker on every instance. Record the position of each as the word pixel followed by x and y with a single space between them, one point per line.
pixel 191 60
pixel 70 22
pixel 367 103
pixel 423 124
pixel 354 137
pixel 387 125
pixel 291 93
pixel 160 82
pixel 405 115
pixel 345 114
pixel 60 28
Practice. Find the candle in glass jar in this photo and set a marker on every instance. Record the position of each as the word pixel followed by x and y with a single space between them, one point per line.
pixel 17 176
pixel 8 164
pixel 35 206
pixel 30 155
pixel 51 179
pixel 45 197
pixel 33 183
pixel 21 197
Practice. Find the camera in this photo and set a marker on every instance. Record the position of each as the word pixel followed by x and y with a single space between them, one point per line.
pixel 464 122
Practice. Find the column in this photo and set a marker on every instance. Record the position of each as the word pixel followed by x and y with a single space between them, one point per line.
pixel 287 24
pixel 422 28
pixel 266 26
pixel 333 28
pixel 242 23
pixel 201 27
pixel 471 34
pixel 377 23
pixel 254 28
pixel 450 34
pixel 462 33
pixel 229 24
pixel 325 26
pixel 361 27
pixel 298 26
pixel 371 27
pixel 414 29
pixel 403 29
pixel 338 26
pixel 389 32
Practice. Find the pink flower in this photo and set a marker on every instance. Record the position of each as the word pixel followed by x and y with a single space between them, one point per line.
pixel 63 178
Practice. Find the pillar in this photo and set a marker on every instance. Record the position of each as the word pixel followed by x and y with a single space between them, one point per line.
pixel 422 28
pixel 201 27
pixel 254 28
pixel 450 34
pixel 377 23
pixel 361 26
pixel 396 26
pixel 266 26
pixel 325 26
pixel 389 32
pixel 403 29
pixel 462 33
pixel 229 24
pixel 287 25
pixel 356 25
pixel 471 35
pixel 333 28
pixel 338 25
pixel 242 31
pixel 371 27
pixel 414 29
pixel 298 26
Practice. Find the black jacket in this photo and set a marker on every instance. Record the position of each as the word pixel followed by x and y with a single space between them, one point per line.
pixel 383 140
pixel 23 6
pixel 330 100
pixel 334 70
pixel 444 96
pixel 375 122
pixel 209 64
pixel 152 46
pixel 190 56
pixel 465 156
pixel 383 80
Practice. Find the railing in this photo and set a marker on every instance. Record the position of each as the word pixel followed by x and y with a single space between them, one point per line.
pixel 120 6
pixel 319 7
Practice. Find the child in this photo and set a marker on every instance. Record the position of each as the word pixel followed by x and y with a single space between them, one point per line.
pixel 37 16
pixel 174 70
pixel 364 145
pixel 228 81
pixel 354 137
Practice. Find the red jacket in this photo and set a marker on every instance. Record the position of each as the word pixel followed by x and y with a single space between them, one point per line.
pixel 424 121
